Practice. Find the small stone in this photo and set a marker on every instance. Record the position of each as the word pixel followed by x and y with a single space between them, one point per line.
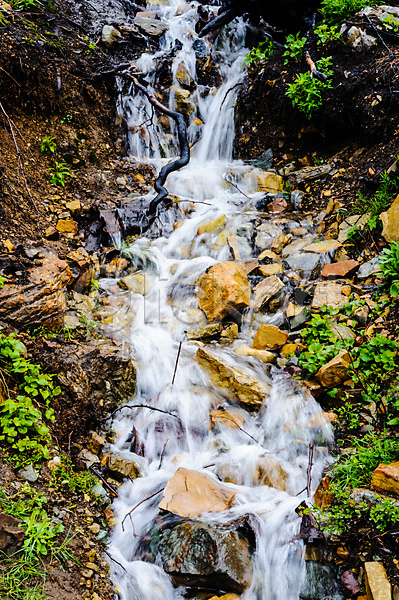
pixel 73 206
pixel 267 289
pixel 342 269
pixel 110 35
pixel 361 315
pixel 149 24
pixel 121 467
pixel 270 337
pixel 386 478
pixel 206 331
pixel 377 584
pixel 67 226
pixel 51 233
pixel 95 442
pixel 306 265
pixel 9 245
pixel 94 527
pixel 98 491
pixel 230 332
pixel 139 178
pixel 88 457
pixel 28 474
pixel 227 418
pixel 323 496
pixel 267 256
pixel 278 205
pixel 296 246
pixel 263 355
pixel 139 283
pixel 269 270
pixel 289 349
pixel 323 247
pixel 335 371
pixel 279 242
pixel 54 463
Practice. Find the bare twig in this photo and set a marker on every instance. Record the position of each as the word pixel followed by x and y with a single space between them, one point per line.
pixel 177 362
pixel 165 412
pixel 105 482
pixel 239 84
pixel 236 186
pixel 163 454
pixel 309 471
pixel 138 504
pixel 378 35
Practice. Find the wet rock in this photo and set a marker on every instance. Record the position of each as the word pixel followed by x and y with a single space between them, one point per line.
pixel 215 225
pixel 342 332
pixel 88 458
pixel 290 349
pixel 121 467
pixel 223 291
pixel 308 174
pixel 386 478
pixel 270 337
pixel 148 23
pixel 297 199
pixel 361 315
pixel 270 472
pixel 239 247
pixel 269 270
pixel 320 419
pixel 298 320
pixel 263 355
pixel 279 242
pixel 184 78
pixel 377 584
pixel 269 182
pixel 183 103
pixel 359 40
pixel 320 582
pixel 264 160
pixel 278 205
pixel 230 332
pixel 267 257
pixel 110 35
pixel 323 247
pixel 227 418
pixel 200 555
pixel 42 300
pixel 11 535
pixel 246 387
pixel 139 283
pixel 308 266
pixel 206 331
pixel 335 371
pixel 28 474
pixel 344 268
pixel 265 233
pixel 390 221
pixel 296 246
pixel 323 496
pixel 95 442
pixel 190 493
pixel 265 291
pixel 369 268
pixel 330 293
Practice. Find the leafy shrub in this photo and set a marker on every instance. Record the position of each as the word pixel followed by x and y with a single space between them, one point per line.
pixel 48 144
pixel 336 11
pixel 262 51
pixel 306 91
pixel 389 264
pixel 66 476
pixel 59 172
pixel 294 48
pixel 22 419
pixel 391 24
pixel 326 34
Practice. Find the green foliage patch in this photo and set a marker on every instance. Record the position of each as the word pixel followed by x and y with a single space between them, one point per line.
pixel 306 92
pixel 294 47
pixel 59 172
pixel 337 11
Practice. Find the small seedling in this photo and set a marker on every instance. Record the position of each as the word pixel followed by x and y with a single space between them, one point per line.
pixel 48 144
pixel 294 48
pixel 59 172
pixel 262 51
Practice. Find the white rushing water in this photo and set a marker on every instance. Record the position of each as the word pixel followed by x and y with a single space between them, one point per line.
pixel 151 328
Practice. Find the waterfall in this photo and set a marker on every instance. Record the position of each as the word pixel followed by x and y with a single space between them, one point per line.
pixel 156 332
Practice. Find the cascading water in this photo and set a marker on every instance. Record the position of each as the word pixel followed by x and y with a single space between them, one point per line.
pixel 154 333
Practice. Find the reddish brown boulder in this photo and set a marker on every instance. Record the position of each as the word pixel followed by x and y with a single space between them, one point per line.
pixel 344 268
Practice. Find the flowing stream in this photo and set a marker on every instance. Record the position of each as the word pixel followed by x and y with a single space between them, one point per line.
pixel 153 327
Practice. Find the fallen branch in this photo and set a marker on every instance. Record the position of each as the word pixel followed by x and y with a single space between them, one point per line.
pixel 309 471
pixel 184 148
pixel 138 504
pixel 165 412
pixel 177 362
pixel 313 70
pixel 163 454
pixel 105 482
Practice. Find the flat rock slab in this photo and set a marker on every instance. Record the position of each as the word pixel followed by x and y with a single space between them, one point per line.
pixel 386 478
pixel 266 290
pixel 190 493
pixel 149 24
pixel 330 293
pixel 343 268
pixel 245 386
pixel 270 337
pixel 323 247
pixel 306 265
pixel 200 555
pixel 308 174
pixel 377 584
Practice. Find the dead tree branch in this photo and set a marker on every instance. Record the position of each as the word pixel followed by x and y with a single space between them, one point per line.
pixel 184 148
pixel 313 69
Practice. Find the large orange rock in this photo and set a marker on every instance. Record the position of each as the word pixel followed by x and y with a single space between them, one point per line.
pixel 190 493
pixel 334 372
pixel 245 386
pixel 386 478
pixel 269 336
pixel 40 301
pixel 223 290
pixel 377 584
pixel 390 221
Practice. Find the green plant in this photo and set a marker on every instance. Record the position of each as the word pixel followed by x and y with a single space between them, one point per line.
pixel 22 419
pixel 66 476
pixel 294 46
pixel 389 265
pixel 327 33
pixel 379 202
pixel 336 11
pixel 67 119
pixel 306 91
pixel 391 24
pixel 92 46
pixel 262 51
pixel 59 172
pixel 26 4
pixel 3 280
pixel 48 144
pixel 88 324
